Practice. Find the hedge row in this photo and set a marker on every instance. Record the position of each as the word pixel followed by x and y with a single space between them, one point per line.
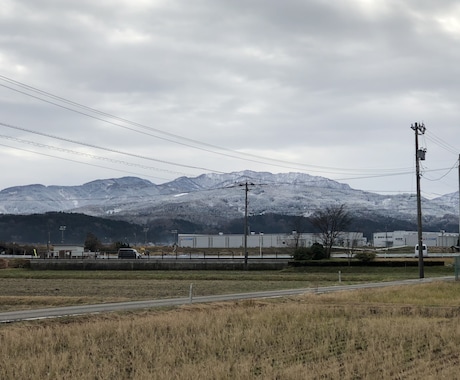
pixel 386 263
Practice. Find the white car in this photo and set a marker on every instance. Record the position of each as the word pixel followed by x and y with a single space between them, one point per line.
pixel 424 250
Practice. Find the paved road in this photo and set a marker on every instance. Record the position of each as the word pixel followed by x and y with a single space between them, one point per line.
pixel 56 312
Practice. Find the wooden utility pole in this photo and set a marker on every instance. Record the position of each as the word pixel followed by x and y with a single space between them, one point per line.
pixel 419 129
pixel 246 190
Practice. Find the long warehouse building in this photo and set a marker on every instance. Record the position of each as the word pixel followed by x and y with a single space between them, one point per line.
pixel 261 240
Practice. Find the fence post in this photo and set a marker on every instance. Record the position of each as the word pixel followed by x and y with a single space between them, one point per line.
pixel 457 266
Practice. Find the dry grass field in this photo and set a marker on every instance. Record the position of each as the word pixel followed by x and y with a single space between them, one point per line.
pixel 24 289
pixel 410 332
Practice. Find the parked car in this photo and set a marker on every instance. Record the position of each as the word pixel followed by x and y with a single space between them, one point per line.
pixel 128 253
pixel 424 250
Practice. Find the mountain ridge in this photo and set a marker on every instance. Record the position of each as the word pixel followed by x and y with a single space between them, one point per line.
pixel 215 198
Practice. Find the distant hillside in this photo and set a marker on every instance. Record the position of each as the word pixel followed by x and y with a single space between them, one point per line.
pixel 38 228
pixel 213 202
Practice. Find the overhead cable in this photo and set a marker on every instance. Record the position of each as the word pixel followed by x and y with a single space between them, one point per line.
pixel 176 139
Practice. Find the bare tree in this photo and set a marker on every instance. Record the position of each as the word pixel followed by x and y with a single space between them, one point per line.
pixel 330 222
pixel 352 245
pixel 298 228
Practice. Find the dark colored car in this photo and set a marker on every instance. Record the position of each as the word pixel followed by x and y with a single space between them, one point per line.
pixel 128 253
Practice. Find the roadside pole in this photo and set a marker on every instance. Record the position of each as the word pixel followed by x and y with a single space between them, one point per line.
pixel 419 129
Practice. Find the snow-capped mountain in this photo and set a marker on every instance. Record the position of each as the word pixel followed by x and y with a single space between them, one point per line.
pixel 213 198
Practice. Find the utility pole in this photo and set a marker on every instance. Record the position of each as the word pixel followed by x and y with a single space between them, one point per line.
pixel 458 242
pixel 419 129
pixel 246 190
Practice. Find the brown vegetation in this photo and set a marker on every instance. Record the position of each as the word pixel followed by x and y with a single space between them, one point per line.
pixel 3 264
pixel 407 332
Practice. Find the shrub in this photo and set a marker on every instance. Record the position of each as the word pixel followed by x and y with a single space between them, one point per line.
pixel 318 251
pixel 365 256
pixel 315 252
pixel 302 253
pixel 3 263
pixel 18 263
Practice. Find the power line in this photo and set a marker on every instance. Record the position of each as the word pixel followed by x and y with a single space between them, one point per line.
pixel 75 161
pixel 449 170
pixel 153 159
pixel 187 141
pixel 440 142
pixel 65 150
pixel 133 123
pixel 108 149
pixel 169 162
pixel 71 105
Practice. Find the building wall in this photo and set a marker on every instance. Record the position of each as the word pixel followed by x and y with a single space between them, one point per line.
pixel 448 240
pixel 410 238
pixel 428 238
pixel 383 239
pixel 64 251
pixel 263 240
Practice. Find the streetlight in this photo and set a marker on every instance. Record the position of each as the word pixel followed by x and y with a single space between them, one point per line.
pixel 62 229
pixel 261 242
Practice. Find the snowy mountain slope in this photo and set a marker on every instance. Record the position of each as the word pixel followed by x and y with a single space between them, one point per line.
pixel 450 200
pixel 213 198
pixel 39 199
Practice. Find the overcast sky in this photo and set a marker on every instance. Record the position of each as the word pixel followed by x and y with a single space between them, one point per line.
pixel 164 88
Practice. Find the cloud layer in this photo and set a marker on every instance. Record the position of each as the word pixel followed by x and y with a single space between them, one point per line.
pixel 327 88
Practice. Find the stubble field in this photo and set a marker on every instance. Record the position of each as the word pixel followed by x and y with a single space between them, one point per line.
pixel 409 332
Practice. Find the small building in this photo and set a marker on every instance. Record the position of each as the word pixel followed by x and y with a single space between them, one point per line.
pixel 67 251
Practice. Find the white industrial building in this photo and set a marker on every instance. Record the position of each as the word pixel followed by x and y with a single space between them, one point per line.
pixel 402 238
pixel 261 240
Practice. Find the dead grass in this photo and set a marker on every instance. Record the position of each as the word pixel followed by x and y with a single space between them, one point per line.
pixel 24 288
pixel 407 332
pixel 19 293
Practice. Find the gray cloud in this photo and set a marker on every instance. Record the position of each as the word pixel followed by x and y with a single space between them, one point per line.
pixel 322 84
